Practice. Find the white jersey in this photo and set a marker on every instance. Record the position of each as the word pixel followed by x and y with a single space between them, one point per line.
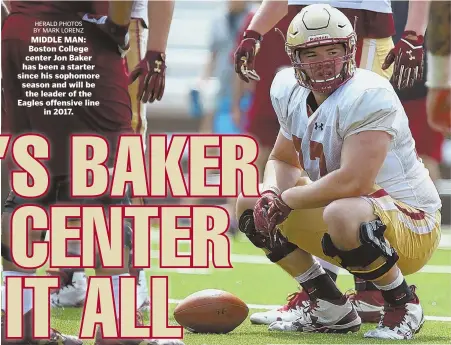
pixel 366 102
pixel 381 6
pixel 139 10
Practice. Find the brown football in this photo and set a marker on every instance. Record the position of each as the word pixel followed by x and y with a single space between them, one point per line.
pixel 211 311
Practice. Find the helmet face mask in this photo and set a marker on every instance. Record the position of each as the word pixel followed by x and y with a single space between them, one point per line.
pixel 319 26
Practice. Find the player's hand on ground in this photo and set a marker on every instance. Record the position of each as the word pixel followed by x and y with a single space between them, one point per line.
pixel 439 109
pixel 245 56
pixel 118 33
pixel 151 72
pixel 407 56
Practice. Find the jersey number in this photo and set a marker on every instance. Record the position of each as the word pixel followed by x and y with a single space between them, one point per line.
pixel 316 152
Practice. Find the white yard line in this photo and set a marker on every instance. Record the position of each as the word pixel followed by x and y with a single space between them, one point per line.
pixel 273 306
pixel 445 240
pixel 263 260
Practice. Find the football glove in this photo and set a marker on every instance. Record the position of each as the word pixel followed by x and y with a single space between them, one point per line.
pixel 261 208
pixel 118 33
pixel 278 212
pixel 407 56
pixel 245 56
pixel 151 72
pixel 270 211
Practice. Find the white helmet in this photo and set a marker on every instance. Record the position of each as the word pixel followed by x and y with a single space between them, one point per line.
pixel 318 25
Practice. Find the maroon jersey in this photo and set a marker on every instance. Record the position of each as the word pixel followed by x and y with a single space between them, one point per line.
pixel 37 8
pixel 100 7
pixel 97 61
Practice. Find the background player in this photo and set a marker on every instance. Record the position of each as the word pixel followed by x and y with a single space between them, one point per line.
pixel 74 282
pixel 329 132
pixel 107 42
pixel 412 94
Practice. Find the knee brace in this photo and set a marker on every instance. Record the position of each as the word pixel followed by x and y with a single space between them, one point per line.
pixel 373 246
pixel 281 246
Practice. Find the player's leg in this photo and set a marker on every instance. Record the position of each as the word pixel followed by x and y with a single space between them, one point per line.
pixel 73 281
pixel 370 55
pixel 317 284
pixel 381 245
pixel 294 300
pixel 138 42
pixel 10 269
pixel 15 121
pixel 264 129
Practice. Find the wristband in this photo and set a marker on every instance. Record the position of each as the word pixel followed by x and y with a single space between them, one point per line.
pixel 439 71
pixel 272 189
pixel 253 34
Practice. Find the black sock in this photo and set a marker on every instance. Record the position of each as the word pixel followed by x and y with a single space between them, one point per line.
pixel 331 274
pixel 322 287
pixel 363 285
pixel 371 287
pixel 399 295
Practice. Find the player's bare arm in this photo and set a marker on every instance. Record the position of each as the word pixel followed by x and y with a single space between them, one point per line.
pixel 282 169
pixel 267 16
pixel 352 179
pixel 417 18
pixel 160 19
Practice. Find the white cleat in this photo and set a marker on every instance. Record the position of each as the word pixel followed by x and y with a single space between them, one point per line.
pixel 72 292
pixel 284 313
pixel 142 299
pixel 321 316
pixel 399 322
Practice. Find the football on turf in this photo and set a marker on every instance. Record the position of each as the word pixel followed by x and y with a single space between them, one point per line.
pixel 211 311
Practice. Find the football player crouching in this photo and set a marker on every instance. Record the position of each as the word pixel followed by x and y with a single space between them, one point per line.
pixel 368 203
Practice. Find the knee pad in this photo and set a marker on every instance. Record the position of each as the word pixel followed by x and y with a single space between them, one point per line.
pixel 373 246
pixel 247 226
pixel 281 246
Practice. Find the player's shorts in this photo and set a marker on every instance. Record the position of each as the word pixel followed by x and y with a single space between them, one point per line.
pixel 427 141
pixel 371 53
pixel 413 233
pixel 108 119
pixel 138 43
